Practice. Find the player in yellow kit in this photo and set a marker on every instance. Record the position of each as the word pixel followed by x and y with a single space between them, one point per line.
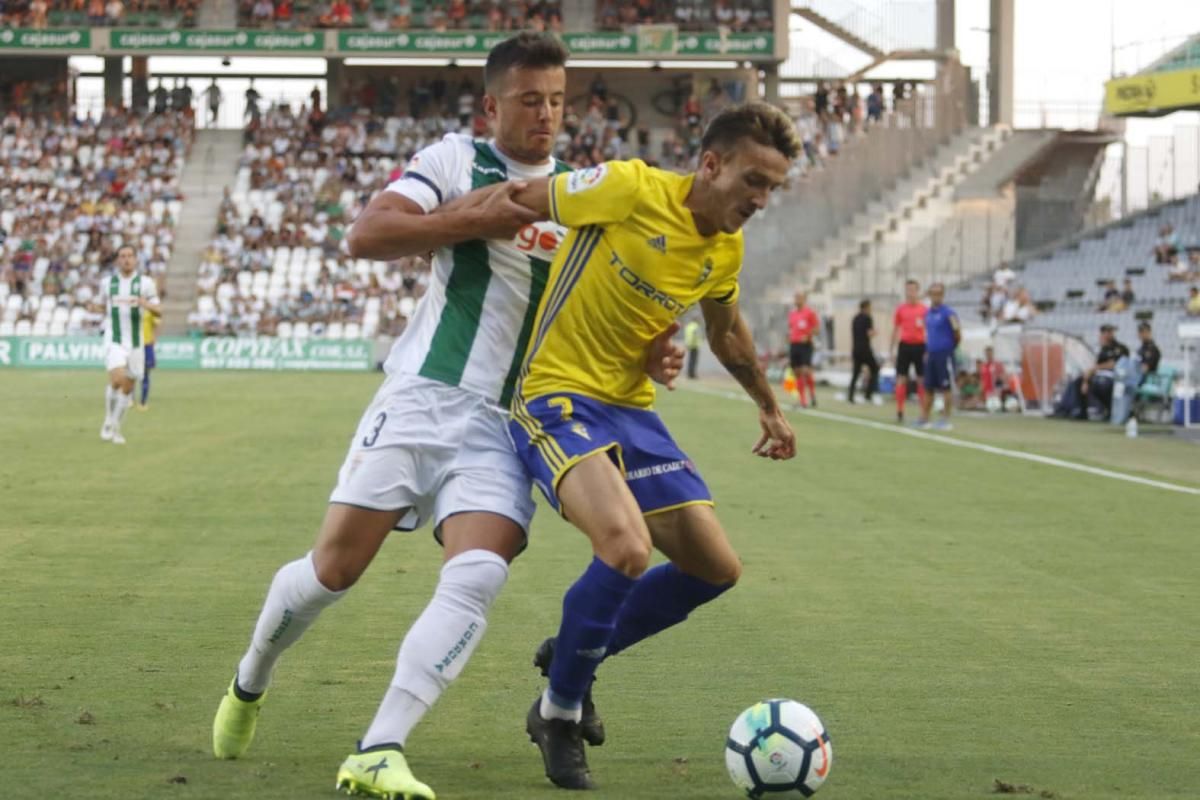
pixel 150 324
pixel 644 246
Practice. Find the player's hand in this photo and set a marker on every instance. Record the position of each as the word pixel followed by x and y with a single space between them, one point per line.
pixel 495 214
pixel 778 442
pixel 664 359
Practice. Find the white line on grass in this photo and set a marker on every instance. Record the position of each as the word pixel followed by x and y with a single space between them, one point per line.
pixel 986 448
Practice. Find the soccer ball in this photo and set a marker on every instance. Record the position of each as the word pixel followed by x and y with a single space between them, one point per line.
pixel 778 746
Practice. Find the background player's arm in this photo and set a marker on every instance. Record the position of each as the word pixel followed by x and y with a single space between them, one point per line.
pixel 731 342
pixel 393 226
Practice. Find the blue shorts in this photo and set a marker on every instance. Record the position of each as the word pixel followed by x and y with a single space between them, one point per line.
pixel 150 362
pixel 554 432
pixel 939 371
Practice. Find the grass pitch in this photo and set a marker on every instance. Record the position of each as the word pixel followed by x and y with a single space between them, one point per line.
pixel 954 617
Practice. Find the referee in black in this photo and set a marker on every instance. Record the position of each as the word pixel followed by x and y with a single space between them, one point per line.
pixel 862 330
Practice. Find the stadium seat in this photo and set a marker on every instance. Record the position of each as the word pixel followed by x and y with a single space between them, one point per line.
pixel 353 331
pixel 300 330
pixel 6 328
pixel 58 328
pixel 407 306
pixel 335 331
pixel 13 305
pixel 284 330
pixel 23 328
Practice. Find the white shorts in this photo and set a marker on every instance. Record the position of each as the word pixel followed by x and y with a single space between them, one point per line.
pixel 133 359
pixel 436 450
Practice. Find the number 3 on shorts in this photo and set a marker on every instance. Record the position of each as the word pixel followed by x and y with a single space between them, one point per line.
pixel 373 436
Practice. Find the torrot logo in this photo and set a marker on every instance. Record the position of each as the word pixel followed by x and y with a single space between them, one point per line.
pixel 6 353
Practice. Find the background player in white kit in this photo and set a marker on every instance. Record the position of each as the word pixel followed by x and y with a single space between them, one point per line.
pixel 128 296
pixel 433 444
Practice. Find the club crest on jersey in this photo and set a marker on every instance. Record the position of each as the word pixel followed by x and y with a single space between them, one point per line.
pixel 584 179
pixel 659 243
pixel 704 273
pixel 580 430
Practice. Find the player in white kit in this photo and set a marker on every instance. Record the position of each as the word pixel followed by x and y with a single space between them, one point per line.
pixel 128 296
pixel 433 446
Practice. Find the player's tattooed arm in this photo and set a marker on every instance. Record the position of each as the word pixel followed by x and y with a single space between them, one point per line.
pixel 733 345
pixel 731 342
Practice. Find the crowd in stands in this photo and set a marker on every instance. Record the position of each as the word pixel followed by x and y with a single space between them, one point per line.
pixel 71 193
pixel 278 264
pixel 739 16
pixel 97 13
pixel 29 98
pixel 381 15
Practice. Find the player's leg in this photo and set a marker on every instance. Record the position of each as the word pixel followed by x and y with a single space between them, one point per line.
pixel 702 566
pixel 114 366
pixel 596 500
pixel 855 371
pixel 927 396
pixel 903 365
pixel 918 361
pixel 349 538
pixel 478 549
pixel 872 377
pixel 796 362
pixel 144 400
pixel 135 361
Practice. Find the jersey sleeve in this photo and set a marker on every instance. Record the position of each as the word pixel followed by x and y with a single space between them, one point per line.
pixel 600 195
pixel 428 179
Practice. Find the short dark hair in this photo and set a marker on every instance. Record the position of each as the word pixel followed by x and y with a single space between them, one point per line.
pixel 127 246
pixel 1143 326
pixel 912 282
pixel 526 49
pixel 862 305
pixel 760 122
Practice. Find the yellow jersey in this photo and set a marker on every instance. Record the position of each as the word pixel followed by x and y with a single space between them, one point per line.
pixel 632 262
pixel 150 323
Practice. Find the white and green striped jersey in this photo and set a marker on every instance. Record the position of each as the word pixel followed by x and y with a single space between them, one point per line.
pixel 472 327
pixel 123 316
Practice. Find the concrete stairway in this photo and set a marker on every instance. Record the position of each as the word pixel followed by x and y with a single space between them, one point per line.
pixel 211 167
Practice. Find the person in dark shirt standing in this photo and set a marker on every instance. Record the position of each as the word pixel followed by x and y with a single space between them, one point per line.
pixel 1148 352
pixel 862 329
pixel 1097 383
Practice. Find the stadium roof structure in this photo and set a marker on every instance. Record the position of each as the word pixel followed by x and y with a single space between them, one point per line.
pixel 1171 83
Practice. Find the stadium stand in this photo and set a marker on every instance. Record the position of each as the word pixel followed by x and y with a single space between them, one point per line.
pixel 71 193
pixel 433 15
pixel 277 265
pixel 1069 284
pixel 98 13
pixel 689 15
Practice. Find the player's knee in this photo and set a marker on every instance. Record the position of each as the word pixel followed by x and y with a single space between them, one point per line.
pixel 628 554
pixel 334 570
pixel 728 572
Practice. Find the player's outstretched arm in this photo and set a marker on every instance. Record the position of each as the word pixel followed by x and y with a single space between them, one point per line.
pixel 393 226
pixel 532 194
pixel 731 342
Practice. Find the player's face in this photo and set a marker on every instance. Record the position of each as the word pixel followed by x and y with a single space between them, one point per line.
pixel 742 180
pixel 912 293
pixel 937 293
pixel 526 111
pixel 126 260
pixel 801 299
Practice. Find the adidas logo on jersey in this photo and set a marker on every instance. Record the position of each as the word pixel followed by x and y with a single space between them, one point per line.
pixel 659 243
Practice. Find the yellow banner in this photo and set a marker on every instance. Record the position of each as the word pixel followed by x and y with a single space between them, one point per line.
pixel 1154 94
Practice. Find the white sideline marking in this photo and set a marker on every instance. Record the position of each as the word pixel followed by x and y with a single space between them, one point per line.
pixel 986 448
